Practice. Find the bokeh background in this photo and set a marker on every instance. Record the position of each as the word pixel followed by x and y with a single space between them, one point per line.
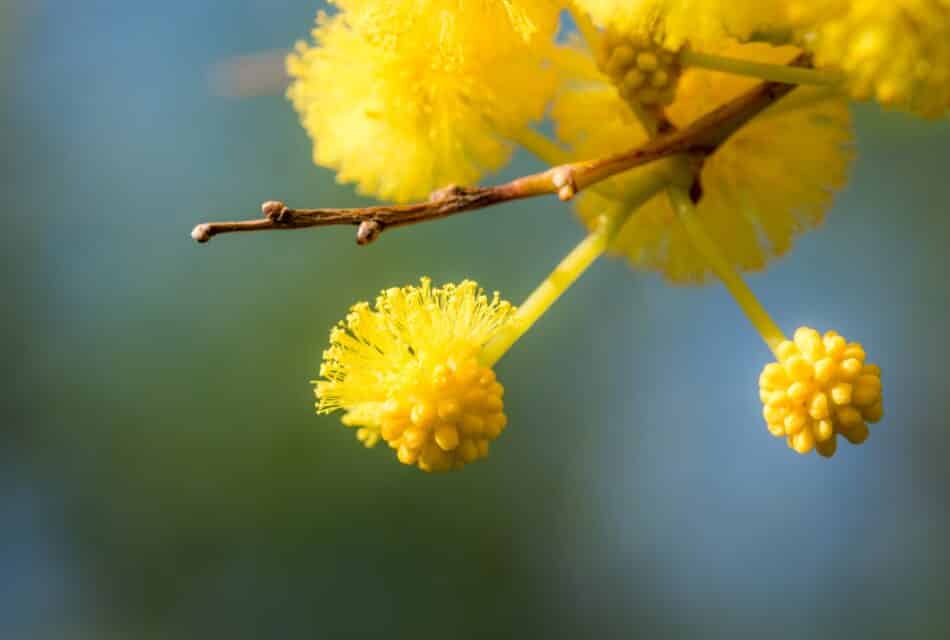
pixel 163 474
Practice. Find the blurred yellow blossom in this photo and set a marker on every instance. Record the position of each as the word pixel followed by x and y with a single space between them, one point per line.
pixel 674 23
pixel 769 182
pixel 408 96
pixel 896 52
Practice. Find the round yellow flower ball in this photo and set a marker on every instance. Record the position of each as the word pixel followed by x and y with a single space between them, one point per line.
pixel 820 387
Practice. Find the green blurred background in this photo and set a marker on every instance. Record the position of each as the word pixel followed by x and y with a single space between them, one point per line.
pixel 163 474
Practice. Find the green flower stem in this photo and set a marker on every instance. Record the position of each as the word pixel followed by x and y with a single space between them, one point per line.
pixel 754 311
pixel 763 71
pixel 650 181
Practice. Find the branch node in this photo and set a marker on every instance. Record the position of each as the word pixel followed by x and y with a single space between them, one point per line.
pixel 275 211
pixel 368 231
pixel 447 193
pixel 201 233
pixel 563 178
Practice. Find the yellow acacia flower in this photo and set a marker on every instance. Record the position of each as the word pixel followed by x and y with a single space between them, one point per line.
pixel 820 388
pixel 674 23
pixel 404 97
pixel 895 52
pixel 769 182
pixel 408 371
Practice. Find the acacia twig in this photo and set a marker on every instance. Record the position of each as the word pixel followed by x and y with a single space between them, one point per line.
pixel 702 137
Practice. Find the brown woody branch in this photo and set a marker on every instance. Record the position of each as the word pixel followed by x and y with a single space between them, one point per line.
pixel 702 137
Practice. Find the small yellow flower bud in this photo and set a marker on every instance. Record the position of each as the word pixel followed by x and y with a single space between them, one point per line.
pixel 774 415
pixel 850 368
pixel 447 437
pixel 799 391
pixel 841 394
pixel 644 73
pixel 809 343
pixel 798 368
pixel 875 412
pixel 777 398
pixel 449 408
pixel 818 406
pixel 820 387
pixel 827 447
pixel 647 62
pixel 786 349
pixel 825 370
pixel 857 433
pixel 803 441
pixel 794 422
pixel 421 414
pixel 773 376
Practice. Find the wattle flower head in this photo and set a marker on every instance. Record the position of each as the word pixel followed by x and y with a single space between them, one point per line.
pixel 405 97
pixel 408 371
pixel 821 387
pixel 895 52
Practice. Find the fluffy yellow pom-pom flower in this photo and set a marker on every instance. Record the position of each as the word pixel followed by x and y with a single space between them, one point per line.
pixel 405 97
pixel 674 23
pixel 895 52
pixel 820 388
pixel 768 183
pixel 407 371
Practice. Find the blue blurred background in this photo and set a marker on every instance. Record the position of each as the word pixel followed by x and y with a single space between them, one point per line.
pixel 163 474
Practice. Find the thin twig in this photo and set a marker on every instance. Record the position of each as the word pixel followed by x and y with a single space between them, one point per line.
pixel 701 137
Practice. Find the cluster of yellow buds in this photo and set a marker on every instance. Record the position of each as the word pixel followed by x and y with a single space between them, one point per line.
pixel 643 72
pixel 447 420
pixel 819 388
